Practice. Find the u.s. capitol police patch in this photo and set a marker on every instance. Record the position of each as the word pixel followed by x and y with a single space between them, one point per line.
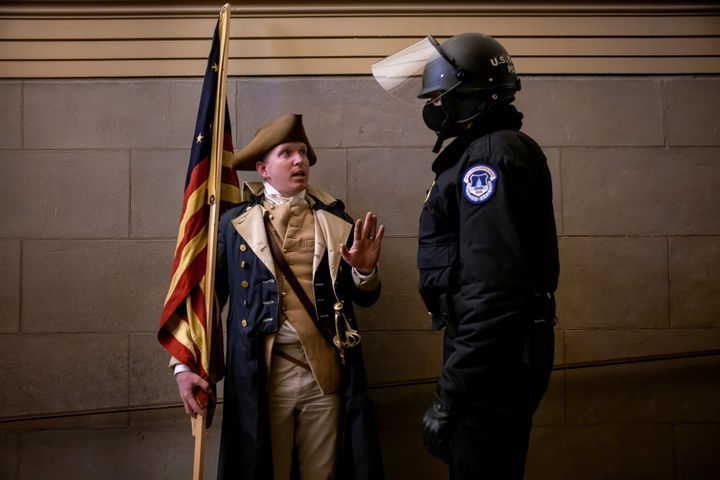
pixel 479 183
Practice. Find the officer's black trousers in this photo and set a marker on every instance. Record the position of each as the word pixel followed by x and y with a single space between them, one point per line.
pixel 494 449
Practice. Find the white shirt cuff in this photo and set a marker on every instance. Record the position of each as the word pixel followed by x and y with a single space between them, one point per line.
pixel 366 282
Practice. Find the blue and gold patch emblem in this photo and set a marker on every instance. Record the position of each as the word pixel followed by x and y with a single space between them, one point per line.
pixel 479 183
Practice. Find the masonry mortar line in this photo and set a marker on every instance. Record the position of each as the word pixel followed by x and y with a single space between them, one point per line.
pixel 673 453
pixel 348 191
pixel 20 289
pixel 129 367
pixel 668 253
pixel 564 380
pixel 562 189
pixel 18 446
pixel 663 99
pixel 22 115
pixel 130 194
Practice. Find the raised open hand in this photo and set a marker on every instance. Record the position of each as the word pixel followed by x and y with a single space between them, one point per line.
pixel 365 249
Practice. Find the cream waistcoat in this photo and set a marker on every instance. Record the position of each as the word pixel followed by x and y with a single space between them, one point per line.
pixel 295 224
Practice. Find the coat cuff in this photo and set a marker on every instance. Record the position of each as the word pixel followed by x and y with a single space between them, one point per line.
pixel 177 366
pixel 450 400
pixel 368 282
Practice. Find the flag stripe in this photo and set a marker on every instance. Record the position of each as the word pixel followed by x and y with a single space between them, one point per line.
pixel 185 331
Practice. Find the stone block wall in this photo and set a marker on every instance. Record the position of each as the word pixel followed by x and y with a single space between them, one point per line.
pixel 90 197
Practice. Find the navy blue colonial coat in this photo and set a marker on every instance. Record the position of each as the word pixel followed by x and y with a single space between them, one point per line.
pixel 245 277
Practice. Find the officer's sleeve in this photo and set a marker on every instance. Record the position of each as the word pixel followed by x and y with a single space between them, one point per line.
pixel 490 275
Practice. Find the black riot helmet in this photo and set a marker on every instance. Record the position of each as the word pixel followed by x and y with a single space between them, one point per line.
pixel 472 73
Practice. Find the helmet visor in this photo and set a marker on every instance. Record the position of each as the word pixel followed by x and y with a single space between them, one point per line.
pixel 400 74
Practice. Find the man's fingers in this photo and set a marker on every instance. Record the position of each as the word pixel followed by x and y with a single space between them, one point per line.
pixel 190 404
pixel 371 225
pixel 359 230
pixel 188 384
pixel 344 252
pixel 380 233
pixel 204 385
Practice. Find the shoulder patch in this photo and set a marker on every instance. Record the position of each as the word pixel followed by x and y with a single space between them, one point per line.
pixel 479 182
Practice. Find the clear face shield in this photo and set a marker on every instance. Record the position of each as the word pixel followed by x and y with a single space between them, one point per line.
pixel 401 74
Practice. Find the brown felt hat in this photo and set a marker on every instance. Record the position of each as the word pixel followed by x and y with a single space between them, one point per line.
pixel 288 128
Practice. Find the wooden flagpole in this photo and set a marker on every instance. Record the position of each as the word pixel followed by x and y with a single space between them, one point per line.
pixel 214 189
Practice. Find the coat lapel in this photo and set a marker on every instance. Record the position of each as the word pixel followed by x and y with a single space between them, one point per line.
pixel 251 228
pixel 334 230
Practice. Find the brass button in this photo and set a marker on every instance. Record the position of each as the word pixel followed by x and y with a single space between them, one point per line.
pixel 284 294
pixel 284 309
pixel 244 323
pixel 245 284
pixel 243 247
pixel 272 217
pixel 272 206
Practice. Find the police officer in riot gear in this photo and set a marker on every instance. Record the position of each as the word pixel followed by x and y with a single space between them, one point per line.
pixel 487 257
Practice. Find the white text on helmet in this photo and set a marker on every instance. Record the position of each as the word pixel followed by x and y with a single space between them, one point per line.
pixel 501 60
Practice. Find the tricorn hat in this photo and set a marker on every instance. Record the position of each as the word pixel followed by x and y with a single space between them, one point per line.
pixel 288 128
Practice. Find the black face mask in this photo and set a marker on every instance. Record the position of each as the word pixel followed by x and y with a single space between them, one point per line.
pixel 438 121
pixel 435 117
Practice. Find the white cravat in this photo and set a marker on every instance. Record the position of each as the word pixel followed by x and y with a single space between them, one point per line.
pixel 273 196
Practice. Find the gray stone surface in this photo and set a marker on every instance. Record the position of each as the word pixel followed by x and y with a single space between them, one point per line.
pixel 94 286
pixel 402 406
pixel 552 407
pixel 60 373
pixel 696 451
pixel 172 417
pixel 81 114
pixel 113 455
pixel 397 357
pixel 10 281
pixel 330 173
pixel 117 418
pixel 601 452
pixel 613 282
pixel 11 115
pixel 392 183
pixel 158 182
pixel 8 455
pixel 554 159
pixel 405 457
pixel 639 393
pixel 692 111
pixel 580 111
pixel 593 345
pixel 337 111
pixel 51 194
pixel 400 306
pixel 695 281
pixel 641 191
pixel 151 381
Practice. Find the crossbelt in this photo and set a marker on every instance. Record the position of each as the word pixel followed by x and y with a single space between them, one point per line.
pixel 290 358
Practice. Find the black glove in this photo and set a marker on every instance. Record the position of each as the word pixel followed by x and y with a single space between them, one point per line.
pixel 438 427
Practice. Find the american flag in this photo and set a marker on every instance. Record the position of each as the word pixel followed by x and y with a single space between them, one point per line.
pixel 184 328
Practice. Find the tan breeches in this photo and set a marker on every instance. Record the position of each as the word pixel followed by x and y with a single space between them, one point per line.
pixel 301 418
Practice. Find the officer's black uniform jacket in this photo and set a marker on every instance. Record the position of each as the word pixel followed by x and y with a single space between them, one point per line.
pixel 487 258
pixel 245 277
